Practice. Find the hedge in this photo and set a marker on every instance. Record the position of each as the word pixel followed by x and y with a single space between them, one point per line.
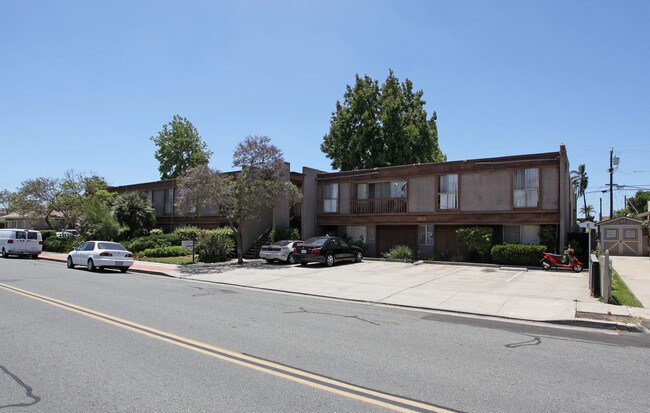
pixel 62 244
pixel 140 244
pixel 174 251
pixel 518 254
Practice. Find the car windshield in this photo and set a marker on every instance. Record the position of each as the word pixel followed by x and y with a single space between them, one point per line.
pixel 110 246
pixel 283 243
pixel 316 241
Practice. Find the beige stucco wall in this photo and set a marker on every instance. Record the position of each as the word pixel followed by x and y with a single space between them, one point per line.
pixel 486 191
pixel 550 187
pixel 421 194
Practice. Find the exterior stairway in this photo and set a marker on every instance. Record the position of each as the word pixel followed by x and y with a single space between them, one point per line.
pixel 254 251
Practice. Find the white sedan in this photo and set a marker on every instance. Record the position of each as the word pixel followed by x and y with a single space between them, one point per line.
pixel 280 251
pixel 99 255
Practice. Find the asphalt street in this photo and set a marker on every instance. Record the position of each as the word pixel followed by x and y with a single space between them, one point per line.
pixel 75 341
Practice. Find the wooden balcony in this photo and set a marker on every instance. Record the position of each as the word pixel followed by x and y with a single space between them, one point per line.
pixel 379 206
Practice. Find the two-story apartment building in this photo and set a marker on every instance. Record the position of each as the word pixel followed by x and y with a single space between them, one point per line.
pixel 422 205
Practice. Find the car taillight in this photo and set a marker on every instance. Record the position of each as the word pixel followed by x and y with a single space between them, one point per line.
pixel 10 241
pixel 295 249
pixel 129 255
pixel 105 254
pixel 315 250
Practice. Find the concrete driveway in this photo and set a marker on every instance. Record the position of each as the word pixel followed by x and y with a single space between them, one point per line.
pixel 521 294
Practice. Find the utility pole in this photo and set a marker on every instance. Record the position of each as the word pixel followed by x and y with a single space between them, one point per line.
pixel 611 183
pixel 600 214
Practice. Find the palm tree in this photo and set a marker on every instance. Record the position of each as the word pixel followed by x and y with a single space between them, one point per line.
pixel 580 181
pixel 587 210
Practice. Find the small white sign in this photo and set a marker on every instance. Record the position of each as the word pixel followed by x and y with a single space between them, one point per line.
pixel 187 245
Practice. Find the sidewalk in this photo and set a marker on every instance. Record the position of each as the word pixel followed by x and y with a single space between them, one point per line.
pixel 515 293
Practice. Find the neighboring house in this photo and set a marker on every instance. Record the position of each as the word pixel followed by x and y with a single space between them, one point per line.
pixel 622 236
pixel 15 220
pixel 422 205
pixel 162 195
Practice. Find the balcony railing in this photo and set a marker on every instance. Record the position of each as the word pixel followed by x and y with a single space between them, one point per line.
pixel 379 206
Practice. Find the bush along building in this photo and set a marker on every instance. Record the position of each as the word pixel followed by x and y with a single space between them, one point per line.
pixel 525 199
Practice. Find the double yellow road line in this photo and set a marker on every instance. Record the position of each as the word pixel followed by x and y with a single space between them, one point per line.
pixel 377 398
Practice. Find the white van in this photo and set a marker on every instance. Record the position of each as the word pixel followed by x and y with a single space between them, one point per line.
pixel 20 242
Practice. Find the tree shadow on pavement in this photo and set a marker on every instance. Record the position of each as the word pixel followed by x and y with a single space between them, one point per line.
pixel 222 267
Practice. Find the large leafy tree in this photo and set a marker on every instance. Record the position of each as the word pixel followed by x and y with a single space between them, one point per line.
pixel 580 181
pixel 381 126
pixel 134 211
pixel 180 148
pixel 67 196
pixel 243 196
pixel 635 205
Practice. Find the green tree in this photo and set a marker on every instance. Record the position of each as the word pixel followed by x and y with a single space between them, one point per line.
pixel 635 205
pixel 98 221
pixel 580 181
pixel 67 196
pixel 588 211
pixel 134 211
pixel 180 148
pixel 381 126
pixel 242 197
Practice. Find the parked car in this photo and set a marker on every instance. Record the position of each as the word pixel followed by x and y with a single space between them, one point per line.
pixel 67 233
pixel 20 242
pixel 280 251
pixel 101 254
pixel 326 250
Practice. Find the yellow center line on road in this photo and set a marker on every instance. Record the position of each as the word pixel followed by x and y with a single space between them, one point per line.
pixel 389 401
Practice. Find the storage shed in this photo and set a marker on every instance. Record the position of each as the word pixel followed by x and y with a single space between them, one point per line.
pixel 622 236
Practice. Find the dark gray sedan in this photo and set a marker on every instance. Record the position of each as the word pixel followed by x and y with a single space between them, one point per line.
pixel 326 250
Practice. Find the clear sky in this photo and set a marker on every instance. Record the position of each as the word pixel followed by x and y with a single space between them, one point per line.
pixel 85 84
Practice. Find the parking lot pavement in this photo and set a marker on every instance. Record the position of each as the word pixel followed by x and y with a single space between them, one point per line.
pixel 530 295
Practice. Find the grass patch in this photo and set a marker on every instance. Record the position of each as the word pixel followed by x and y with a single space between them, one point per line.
pixel 183 260
pixel 621 295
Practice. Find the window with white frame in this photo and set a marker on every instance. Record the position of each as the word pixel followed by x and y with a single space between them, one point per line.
pixel 425 234
pixel 448 191
pixel 330 197
pixel 526 192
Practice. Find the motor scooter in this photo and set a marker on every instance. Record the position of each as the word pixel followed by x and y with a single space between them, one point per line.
pixel 555 261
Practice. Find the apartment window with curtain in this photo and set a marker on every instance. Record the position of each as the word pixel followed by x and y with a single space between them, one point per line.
pixel 526 194
pixel 448 192
pixel 330 197
pixel 379 190
pixel 362 191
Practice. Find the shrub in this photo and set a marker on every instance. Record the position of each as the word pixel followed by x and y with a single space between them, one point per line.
pixel 476 238
pixel 399 252
pixel 174 251
pixel 156 231
pixel 188 233
pixel 215 245
pixel 152 241
pixel 518 254
pixel 47 233
pixel 62 244
pixel 278 234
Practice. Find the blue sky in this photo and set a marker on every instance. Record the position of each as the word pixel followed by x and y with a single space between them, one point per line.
pixel 84 85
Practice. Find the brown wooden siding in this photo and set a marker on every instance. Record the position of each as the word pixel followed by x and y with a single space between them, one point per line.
pixel 389 236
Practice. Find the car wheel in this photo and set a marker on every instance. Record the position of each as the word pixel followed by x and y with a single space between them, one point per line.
pixel 291 259
pixel 91 265
pixel 577 268
pixel 4 254
pixel 329 260
pixel 69 262
pixel 358 257
pixel 123 269
pixel 546 266
pixel 303 264
pixel 269 261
